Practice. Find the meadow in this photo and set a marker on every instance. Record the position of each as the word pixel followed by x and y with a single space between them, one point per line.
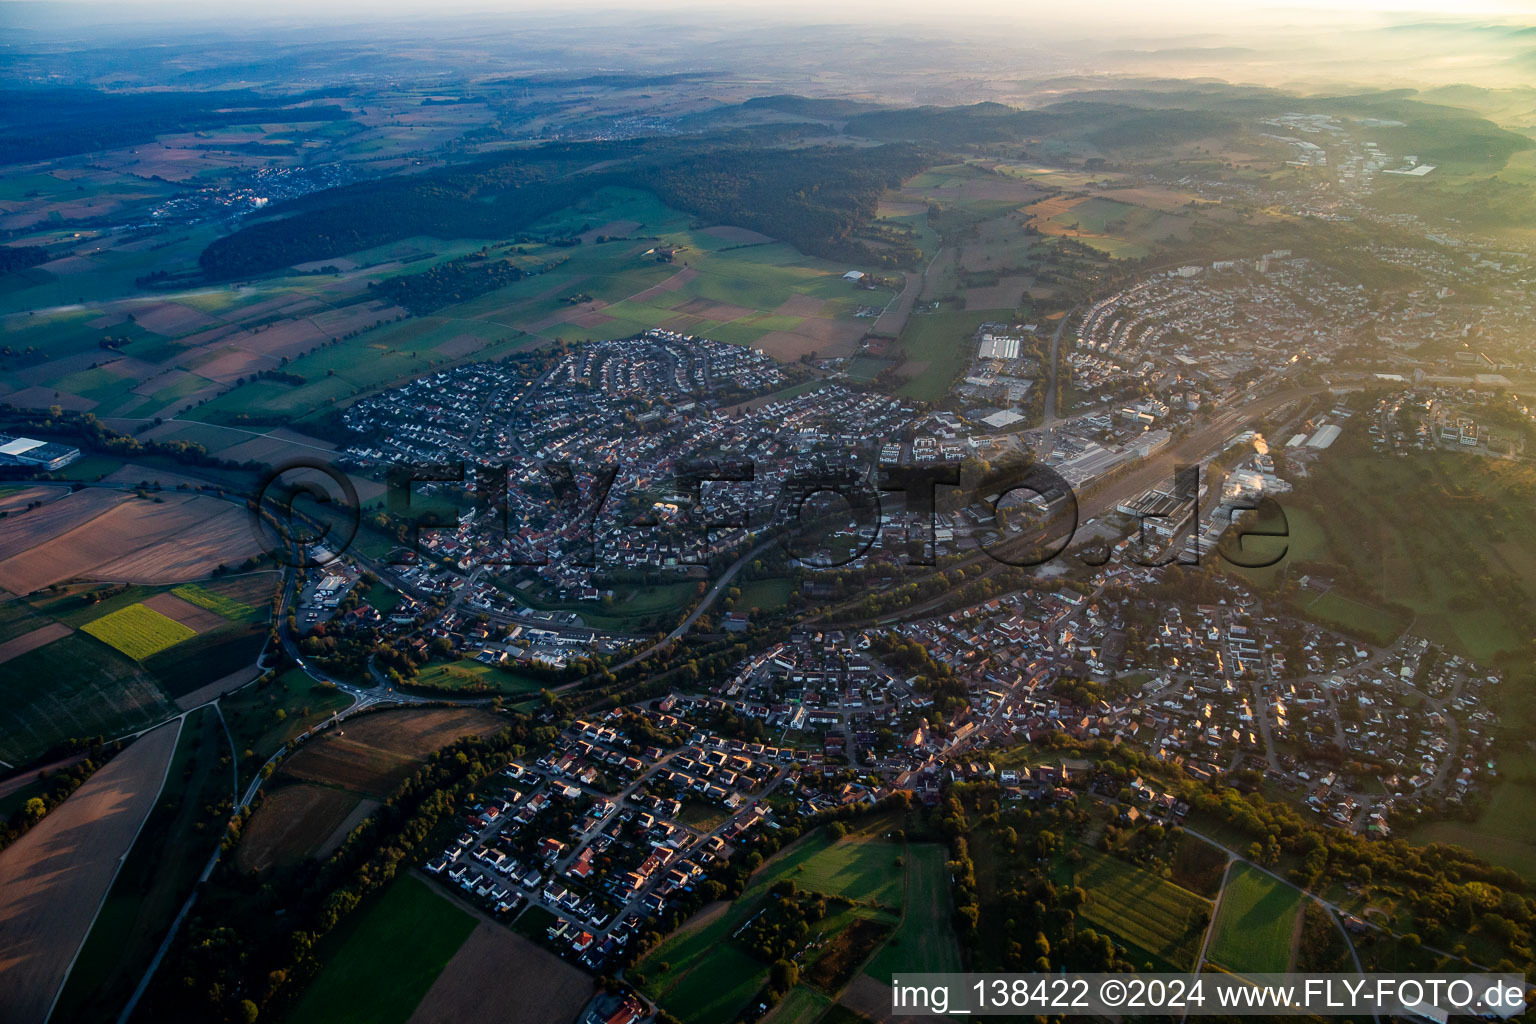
pixel 860 867
pixel 1256 922
pixel 381 960
pixel 939 346
pixel 1501 832
pixel 923 940
pixel 1435 560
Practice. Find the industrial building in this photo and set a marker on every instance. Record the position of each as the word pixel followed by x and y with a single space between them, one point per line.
pixel 28 451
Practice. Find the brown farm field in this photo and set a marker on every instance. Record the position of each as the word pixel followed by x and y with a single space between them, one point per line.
pixel 293 822
pixel 550 991
pixel 337 779
pixel 373 753
pixel 199 620
pixel 52 880
pixel 33 640
pixel 108 536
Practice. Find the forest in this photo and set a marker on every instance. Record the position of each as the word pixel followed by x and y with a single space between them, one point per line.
pixel 814 198
pixel 44 123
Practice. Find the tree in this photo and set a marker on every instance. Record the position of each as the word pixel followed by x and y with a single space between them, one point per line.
pixel 249 1011
pixel 784 975
pixel 837 830
pixel 35 808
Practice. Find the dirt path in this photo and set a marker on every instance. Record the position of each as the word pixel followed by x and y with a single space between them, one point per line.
pixel 53 879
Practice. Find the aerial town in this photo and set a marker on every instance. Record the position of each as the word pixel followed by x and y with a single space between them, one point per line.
pixel 694 517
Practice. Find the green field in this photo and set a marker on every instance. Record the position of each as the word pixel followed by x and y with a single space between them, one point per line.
pixel 856 868
pixel 1436 559
pixel 381 960
pixel 924 940
pixel 468 674
pixel 1256 923
pixel 634 606
pixel 179 836
pixel 801 1005
pixel 715 989
pixel 263 717
pixel 383 599
pixel 768 595
pixel 74 687
pixel 1157 919
pixel 861 867
pixel 138 631
pixel 733 291
pixel 217 603
pixel 1502 833
pixel 208 657
pixel 938 346
pixel 1377 625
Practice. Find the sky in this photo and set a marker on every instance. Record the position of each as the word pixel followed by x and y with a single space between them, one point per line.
pixel 1221 14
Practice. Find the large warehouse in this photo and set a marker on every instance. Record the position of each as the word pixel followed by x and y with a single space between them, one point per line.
pixel 28 451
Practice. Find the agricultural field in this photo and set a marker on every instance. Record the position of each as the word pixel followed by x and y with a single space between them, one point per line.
pixel 548 988
pixel 373 753
pixel 110 536
pixel 800 1005
pixel 860 867
pixel 339 777
pixel 1256 924
pixel 1501 832
pixel 1118 229
pixel 298 820
pixel 138 631
pixel 924 940
pixel 939 346
pixel 178 837
pixel 47 902
pixel 722 283
pixel 1160 922
pixel 73 687
pixel 382 959
pixel 265 716
pixel 215 602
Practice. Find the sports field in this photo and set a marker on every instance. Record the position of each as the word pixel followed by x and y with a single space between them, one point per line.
pixel 470 675
pixel 382 959
pixel 1155 917
pixel 1256 923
